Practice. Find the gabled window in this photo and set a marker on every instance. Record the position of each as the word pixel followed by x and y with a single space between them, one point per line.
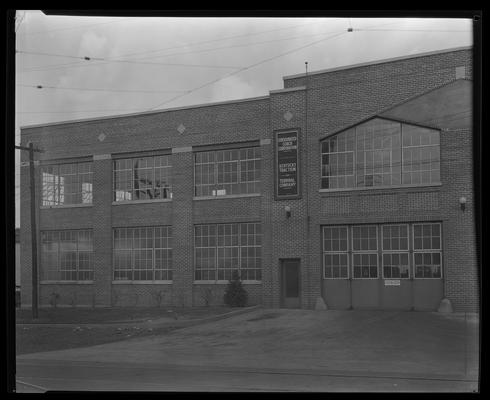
pixel 381 153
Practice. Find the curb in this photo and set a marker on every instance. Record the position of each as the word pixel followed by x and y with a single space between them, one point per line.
pixel 153 323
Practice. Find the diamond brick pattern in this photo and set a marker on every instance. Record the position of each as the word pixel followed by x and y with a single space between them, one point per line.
pixel 181 128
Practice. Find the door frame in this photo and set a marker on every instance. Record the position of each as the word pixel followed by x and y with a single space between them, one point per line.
pixel 282 280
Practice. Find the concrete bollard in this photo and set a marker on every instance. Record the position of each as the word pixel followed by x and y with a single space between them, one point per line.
pixel 320 304
pixel 445 306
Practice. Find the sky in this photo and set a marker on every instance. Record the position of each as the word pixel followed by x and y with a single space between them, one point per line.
pixel 145 64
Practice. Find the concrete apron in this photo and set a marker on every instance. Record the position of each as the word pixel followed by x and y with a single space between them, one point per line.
pixel 354 343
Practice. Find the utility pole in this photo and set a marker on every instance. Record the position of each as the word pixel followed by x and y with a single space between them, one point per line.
pixel 32 178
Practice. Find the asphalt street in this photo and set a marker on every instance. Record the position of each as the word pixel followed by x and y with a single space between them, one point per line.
pixel 101 376
pixel 276 350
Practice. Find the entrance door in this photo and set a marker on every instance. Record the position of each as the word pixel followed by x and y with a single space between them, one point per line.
pixel 290 283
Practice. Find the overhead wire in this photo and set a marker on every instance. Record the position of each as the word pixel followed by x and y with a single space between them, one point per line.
pixel 74 27
pixel 247 68
pixel 343 84
pixel 86 58
pixel 100 89
pixel 81 64
pixel 200 43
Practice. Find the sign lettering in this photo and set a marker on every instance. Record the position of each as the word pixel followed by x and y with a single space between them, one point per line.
pixel 287 164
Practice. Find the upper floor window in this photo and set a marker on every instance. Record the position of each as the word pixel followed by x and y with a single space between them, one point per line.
pixel 66 184
pixel 143 178
pixel 226 172
pixel 380 152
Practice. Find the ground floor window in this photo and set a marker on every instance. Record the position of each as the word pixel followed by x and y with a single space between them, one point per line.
pixel 222 249
pixel 143 253
pixel 389 251
pixel 67 255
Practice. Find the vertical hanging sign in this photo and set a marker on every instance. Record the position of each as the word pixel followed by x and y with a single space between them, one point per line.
pixel 287 165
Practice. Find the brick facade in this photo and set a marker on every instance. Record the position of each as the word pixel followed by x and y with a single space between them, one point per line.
pixel 317 105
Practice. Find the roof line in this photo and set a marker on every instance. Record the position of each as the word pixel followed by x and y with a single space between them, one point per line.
pixel 95 119
pixel 390 107
pixel 382 61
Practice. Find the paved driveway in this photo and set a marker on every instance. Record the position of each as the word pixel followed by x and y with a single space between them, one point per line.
pixel 364 345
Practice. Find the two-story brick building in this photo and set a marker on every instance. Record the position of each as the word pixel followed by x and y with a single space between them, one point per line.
pixel 345 186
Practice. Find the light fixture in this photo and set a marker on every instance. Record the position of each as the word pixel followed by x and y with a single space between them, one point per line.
pixel 288 211
pixel 462 202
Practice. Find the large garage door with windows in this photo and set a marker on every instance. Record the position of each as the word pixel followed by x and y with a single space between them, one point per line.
pixel 383 266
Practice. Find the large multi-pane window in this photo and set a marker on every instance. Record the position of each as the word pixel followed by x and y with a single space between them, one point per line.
pixel 227 172
pixel 222 249
pixel 64 184
pixel 335 255
pixel 395 251
pixel 142 178
pixel 67 255
pixel 357 250
pixel 143 254
pixel 380 153
pixel 365 251
pixel 427 252
pixel 420 155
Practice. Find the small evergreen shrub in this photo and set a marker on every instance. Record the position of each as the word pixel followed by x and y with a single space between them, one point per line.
pixel 235 294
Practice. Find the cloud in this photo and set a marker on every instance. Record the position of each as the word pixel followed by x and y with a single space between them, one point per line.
pixel 91 43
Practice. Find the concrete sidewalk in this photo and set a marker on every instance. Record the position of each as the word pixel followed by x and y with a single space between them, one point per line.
pixel 367 344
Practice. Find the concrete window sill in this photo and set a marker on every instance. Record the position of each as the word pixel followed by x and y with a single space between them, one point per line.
pixel 121 282
pixel 120 203
pixel 225 282
pixel 66 282
pixel 67 206
pixel 229 196
pixel 374 188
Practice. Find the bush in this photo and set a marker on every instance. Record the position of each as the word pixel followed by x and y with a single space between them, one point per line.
pixel 235 294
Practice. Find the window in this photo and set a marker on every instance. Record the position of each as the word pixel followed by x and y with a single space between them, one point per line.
pixel 227 172
pixel 427 250
pixel 360 256
pixel 143 254
pixel 395 252
pixel 421 159
pixel 365 251
pixel 67 255
pixel 335 255
pixel 143 178
pixel 371 155
pixel 338 160
pixel 66 184
pixel 222 249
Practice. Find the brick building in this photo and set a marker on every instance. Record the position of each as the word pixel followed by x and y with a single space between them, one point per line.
pixel 346 185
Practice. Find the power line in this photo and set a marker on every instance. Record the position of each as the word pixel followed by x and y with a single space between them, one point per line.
pixel 76 65
pixel 77 111
pixel 82 64
pixel 248 67
pixel 86 58
pixel 100 90
pixel 20 22
pixel 409 30
pixel 73 27
pixel 193 44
